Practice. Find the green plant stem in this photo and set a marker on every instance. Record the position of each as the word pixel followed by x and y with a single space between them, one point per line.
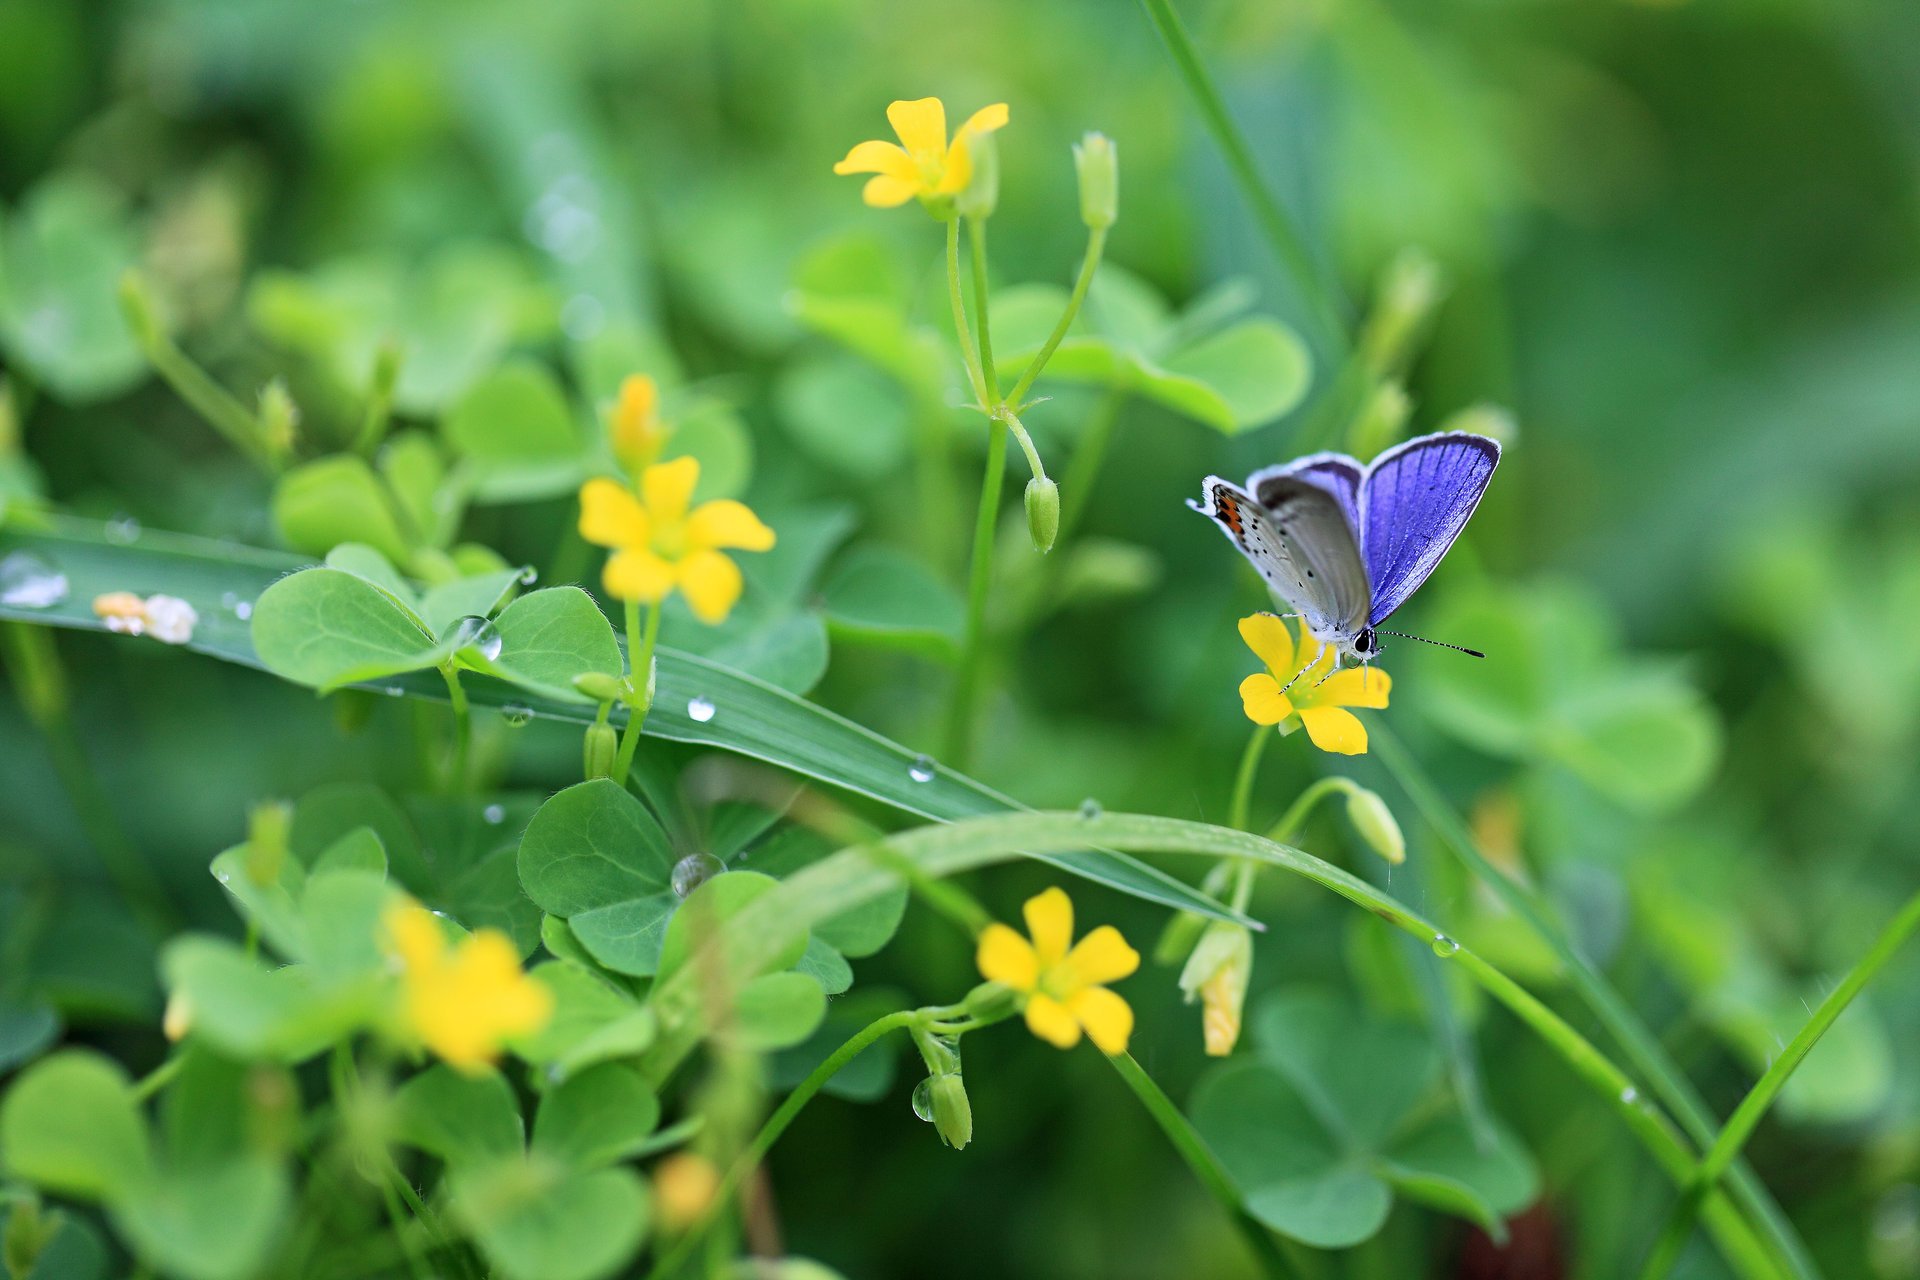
pixel 158 1078
pixel 213 402
pixel 776 1124
pixel 1205 1166
pixel 983 329
pixel 639 677
pixel 960 712
pixel 410 1245
pixel 462 729
pixel 962 334
pixel 1242 800
pixel 1283 831
pixel 1641 1047
pixel 1741 1124
pixel 1288 245
pixel 1089 263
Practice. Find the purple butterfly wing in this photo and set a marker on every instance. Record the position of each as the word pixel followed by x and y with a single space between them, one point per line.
pixel 1334 473
pixel 1414 501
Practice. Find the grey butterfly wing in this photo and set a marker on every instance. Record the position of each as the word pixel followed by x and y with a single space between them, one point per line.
pixel 1414 501
pixel 1339 474
pixel 1297 536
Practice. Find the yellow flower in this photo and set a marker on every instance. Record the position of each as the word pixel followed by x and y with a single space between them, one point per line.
pixel 1217 972
pixel 462 1002
pixel 658 544
pixel 635 424
pixel 684 1185
pixel 1064 989
pixel 924 163
pixel 1318 699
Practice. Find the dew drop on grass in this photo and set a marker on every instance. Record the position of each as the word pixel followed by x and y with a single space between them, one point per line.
pixel 923 1099
pixel 123 529
pixel 1443 946
pixel 30 581
pixel 478 634
pixel 529 575
pixel 516 714
pixel 494 814
pixel 1089 809
pixel 233 604
pixel 921 770
pixel 1630 1095
pixel 700 708
pixel 693 871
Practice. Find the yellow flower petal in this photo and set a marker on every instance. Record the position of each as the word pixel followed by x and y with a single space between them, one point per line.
pixel 1106 1016
pixel 414 934
pixel 726 523
pixel 637 574
pixel 636 433
pixel 667 487
pixel 879 157
pixel 1004 956
pixel 711 584
pixel 1312 657
pixel 1050 922
pixel 922 126
pixel 1261 699
pixel 1102 956
pixel 610 516
pixel 1052 1021
pixel 1356 687
pixel 1335 730
pixel 956 170
pixel 985 120
pixel 889 192
pixel 1270 641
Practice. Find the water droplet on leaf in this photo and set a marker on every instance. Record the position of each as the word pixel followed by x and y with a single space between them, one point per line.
pixel 921 770
pixel 1630 1095
pixel 494 814
pixel 478 634
pixel 923 1099
pixel 1443 946
pixel 30 581
pixel 700 709
pixel 123 530
pixel 1089 808
pixel 695 870
pixel 516 714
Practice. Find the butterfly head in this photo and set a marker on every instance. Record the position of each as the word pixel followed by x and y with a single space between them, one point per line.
pixel 1366 645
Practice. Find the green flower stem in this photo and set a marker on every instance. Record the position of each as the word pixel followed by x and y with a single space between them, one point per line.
pixel 158 1078
pixel 1242 800
pixel 213 402
pixel 1025 441
pixel 1089 263
pixel 462 728
pixel 851 878
pixel 1740 1126
pixel 639 676
pixel 977 259
pixel 962 334
pixel 960 711
pixel 1283 831
pixel 39 679
pixel 1205 1165
pixel 776 1124
pixel 1286 241
pixel 1643 1051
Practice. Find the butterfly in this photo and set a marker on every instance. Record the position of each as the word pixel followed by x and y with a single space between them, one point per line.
pixel 1346 545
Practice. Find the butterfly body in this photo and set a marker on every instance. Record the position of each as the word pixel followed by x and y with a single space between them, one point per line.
pixel 1344 545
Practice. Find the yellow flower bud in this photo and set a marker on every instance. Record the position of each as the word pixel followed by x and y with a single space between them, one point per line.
pixel 684 1185
pixel 635 428
pixel 1043 512
pixel 178 1019
pixel 1376 824
pixel 1097 162
pixel 1218 972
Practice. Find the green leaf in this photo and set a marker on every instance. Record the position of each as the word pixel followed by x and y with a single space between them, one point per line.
pixel 712 432
pixel 1362 1075
pixel 858 932
pixel 367 562
pixel 213 1223
pixel 774 1011
pixel 534 1222
pixel 461 1119
pixel 478 596
pixel 600 1116
pixel 826 966
pixel 870 1074
pixel 592 1022
pixel 515 429
pixel 70 1124
pixel 319 505
pixel 358 850
pixel 343 913
pixel 328 812
pixel 61 258
pixel 593 845
pixel 704 915
pixel 846 415
pixel 1649 743
pixel 416 475
pixel 25 1029
pixel 627 936
pixel 1502 1174
pixel 549 637
pixel 880 596
pixel 326 628
pixel 242 1007
pixel 1258 368
pixel 65 1246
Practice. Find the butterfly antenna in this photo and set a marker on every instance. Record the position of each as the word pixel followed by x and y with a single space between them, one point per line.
pixel 1457 648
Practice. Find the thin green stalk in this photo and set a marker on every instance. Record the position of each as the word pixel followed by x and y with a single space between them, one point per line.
pixel 961 333
pixel 776 1124
pixel 397 1215
pixel 1243 778
pixel 1285 239
pixel 1283 831
pixel 158 1078
pixel 1741 1124
pixel 1089 263
pixel 639 676
pixel 960 712
pixel 462 728
pixel 983 329
pixel 1642 1048
pixel 213 402
pixel 1205 1165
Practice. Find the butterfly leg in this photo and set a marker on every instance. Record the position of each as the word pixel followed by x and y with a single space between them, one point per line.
pixel 1330 671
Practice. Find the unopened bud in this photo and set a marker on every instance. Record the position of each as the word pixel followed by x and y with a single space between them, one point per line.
pixel 269 836
pixel 1218 972
pixel 1043 512
pixel 1097 162
pixel 990 1000
pixel 684 1185
pixel 952 1113
pixel 1409 291
pixel 982 192
pixel 634 428
pixel 1376 824
pixel 602 749
pixel 279 416
pixel 600 686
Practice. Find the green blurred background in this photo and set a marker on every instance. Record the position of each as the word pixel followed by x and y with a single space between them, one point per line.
pixel 1682 247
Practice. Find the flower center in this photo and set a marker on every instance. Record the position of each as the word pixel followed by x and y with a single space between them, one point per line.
pixel 670 538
